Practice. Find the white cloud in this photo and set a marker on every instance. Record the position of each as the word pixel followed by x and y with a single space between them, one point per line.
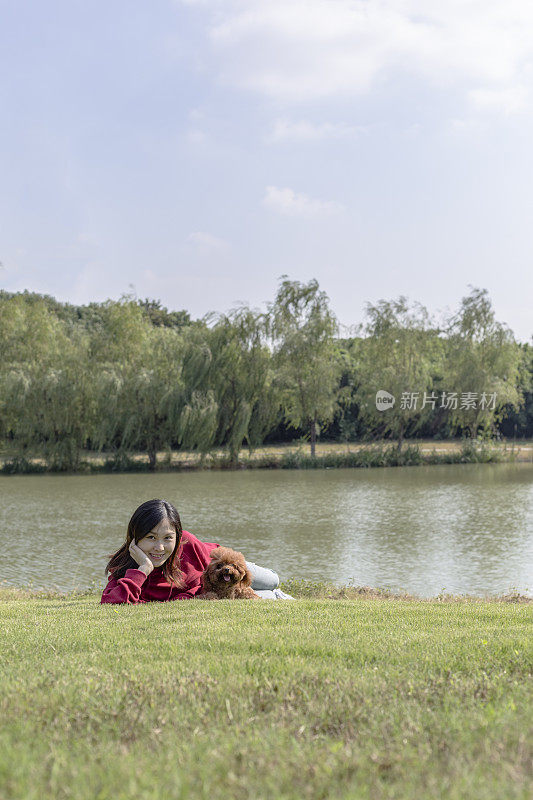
pixel 196 136
pixel 285 130
pixel 206 241
pixel 298 51
pixel 292 204
pixel 196 115
pixel 469 126
pixel 508 100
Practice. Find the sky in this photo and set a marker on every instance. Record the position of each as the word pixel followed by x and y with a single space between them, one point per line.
pixel 194 151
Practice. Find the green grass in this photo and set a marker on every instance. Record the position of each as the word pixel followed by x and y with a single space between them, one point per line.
pixel 312 698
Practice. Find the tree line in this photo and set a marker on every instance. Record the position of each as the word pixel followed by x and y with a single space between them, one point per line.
pixel 127 376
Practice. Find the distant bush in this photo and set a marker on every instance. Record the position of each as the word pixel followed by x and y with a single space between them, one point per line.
pixel 21 466
pixel 480 451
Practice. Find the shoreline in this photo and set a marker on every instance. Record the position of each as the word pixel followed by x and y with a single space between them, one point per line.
pixel 330 455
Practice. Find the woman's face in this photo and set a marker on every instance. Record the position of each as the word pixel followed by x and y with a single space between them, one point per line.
pixel 159 543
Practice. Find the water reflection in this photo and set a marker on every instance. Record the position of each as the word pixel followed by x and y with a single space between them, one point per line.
pixel 465 528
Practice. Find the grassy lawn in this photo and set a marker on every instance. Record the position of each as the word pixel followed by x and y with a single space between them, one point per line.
pixel 312 698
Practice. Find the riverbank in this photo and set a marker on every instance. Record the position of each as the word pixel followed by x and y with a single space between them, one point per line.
pixel 313 698
pixel 329 455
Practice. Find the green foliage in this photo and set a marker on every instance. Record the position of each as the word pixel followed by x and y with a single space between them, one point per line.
pixel 150 391
pixel 241 379
pixel 519 421
pixel 480 451
pixel 129 376
pixel 46 387
pixel 398 355
pixel 483 358
pixel 377 456
pixel 161 317
pixel 21 466
pixel 30 333
pixel 302 329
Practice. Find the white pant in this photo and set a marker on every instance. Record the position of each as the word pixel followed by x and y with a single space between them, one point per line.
pixel 265 583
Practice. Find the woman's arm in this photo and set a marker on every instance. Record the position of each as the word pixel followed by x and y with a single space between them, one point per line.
pixel 126 589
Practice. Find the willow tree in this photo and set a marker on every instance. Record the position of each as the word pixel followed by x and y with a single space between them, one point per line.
pixel 46 386
pixel 140 385
pixel 482 366
pixel 64 408
pixel 118 345
pixel 241 379
pixel 151 393
pixel 195 417
pixel 18 355
pixel 154 386
pixel 397 356
pixel 76 390
pixel 302 331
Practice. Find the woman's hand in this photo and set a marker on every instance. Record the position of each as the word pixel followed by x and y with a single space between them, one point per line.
pixel 145 565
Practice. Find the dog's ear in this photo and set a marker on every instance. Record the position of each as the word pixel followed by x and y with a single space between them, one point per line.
pixel 240 562
pixel 206 581
pixel 246 580
pixel 217 553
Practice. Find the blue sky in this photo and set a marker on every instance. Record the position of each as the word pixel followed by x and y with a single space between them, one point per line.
pixel 197 150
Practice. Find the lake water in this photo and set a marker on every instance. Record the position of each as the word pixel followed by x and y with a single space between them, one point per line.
pixel 463 528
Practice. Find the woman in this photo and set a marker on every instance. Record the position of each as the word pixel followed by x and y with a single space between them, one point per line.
pixel 159 561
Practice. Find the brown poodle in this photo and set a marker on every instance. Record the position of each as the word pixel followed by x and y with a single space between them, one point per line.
pixel 226 577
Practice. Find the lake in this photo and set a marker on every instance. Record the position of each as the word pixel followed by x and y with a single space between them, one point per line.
pixel 462 528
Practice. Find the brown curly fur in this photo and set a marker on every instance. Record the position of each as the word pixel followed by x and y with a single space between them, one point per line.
pixel 229 563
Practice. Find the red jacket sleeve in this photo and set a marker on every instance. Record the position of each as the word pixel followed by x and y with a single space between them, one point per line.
pixel 126 589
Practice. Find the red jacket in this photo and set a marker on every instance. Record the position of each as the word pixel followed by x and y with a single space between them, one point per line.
pixel 136 587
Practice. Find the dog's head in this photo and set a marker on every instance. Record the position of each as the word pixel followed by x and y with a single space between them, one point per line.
pixel 226 569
